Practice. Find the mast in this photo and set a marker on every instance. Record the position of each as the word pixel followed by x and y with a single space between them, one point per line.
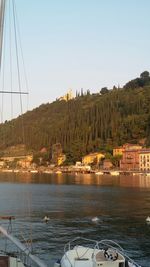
pixel 2 12
pixel 2 18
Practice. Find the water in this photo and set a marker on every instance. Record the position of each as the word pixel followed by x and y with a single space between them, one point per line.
pixel 121 204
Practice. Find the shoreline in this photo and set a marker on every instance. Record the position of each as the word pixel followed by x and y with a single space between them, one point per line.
pixel 64 170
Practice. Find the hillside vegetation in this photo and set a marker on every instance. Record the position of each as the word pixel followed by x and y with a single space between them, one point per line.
pixel 87 123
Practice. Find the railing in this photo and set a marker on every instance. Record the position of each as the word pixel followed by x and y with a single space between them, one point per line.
pixel 25 250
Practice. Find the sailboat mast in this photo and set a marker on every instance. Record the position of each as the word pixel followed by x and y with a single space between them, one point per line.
pixel 2 17
pixel 2 12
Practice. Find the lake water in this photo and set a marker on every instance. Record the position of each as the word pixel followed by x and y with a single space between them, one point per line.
pixel 121 203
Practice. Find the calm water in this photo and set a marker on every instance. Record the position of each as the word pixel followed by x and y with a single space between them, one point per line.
pixel 121 204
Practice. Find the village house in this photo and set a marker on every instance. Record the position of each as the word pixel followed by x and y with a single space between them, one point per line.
pixel 61 159
pixel 92 158
pixel 21 161
pixel 2 164
pixel 130 157
pixel 107 164
pixel 144 159
pixel 57 155
pixel 25 162
pixel 118 151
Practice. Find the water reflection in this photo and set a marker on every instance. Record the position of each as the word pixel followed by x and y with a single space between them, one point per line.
pixel 120 203
pixel 80 179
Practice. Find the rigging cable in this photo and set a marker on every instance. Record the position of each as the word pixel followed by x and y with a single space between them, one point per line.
pixel 10 56
pixel 2 58
pixel 23 62
pixel 18 69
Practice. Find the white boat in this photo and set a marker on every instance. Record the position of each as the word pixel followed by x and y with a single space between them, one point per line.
pixel 104 253
pixel 148 219
pixel 99 173
pixel 115 173
pixel 34 171
pixel 58 172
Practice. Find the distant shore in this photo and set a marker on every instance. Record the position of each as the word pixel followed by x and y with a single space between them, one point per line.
pixel 62 170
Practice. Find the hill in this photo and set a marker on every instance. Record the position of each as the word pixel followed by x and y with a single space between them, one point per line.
pixel 84 124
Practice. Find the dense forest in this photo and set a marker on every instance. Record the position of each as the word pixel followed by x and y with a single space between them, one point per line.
pixel 87 123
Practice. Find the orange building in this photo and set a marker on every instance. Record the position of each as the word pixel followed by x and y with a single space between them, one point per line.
pixel 120 150
pixel 130 157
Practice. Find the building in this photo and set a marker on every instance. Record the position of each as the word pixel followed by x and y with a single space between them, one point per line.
pixel 119 150
pixel 21 161
pixel 25 162
pixel 2 164
pixel 107 164
pixel 57 156
pixel 92 158
pixel 132 147
pixel 144 159
pixel 61 159
pixel 130 157
pixel 67 97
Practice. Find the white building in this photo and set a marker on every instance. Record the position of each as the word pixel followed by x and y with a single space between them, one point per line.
pixel 144 159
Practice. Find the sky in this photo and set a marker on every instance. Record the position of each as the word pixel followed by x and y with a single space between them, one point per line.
pixel 74 44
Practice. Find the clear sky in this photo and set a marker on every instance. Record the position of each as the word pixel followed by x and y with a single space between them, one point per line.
pixel 85 44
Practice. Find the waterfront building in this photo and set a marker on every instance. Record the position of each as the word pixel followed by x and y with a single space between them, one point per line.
pixel 21 161
pixel 120 150
pixel 130 157
pixel 92 158
pixel 25 162
pixel 107 164
pixel 144 159
pixel 61 159
pixel 57 156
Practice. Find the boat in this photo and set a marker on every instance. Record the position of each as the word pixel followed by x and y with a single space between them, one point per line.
pixel 22 257
pixel 115 173
pixel 58 172
pixel 99 173
pixel 148 219
pixel 104 253
pixel 34 171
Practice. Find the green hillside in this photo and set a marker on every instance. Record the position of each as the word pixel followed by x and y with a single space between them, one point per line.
pixel 87 123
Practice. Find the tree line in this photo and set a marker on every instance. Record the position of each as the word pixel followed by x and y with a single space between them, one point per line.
pixel 88 123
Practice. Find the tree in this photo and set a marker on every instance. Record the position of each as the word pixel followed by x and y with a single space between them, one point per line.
pixel 104 90
pixel 88 92
pixel 144 74
pixel 116 160
pixel 114 87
